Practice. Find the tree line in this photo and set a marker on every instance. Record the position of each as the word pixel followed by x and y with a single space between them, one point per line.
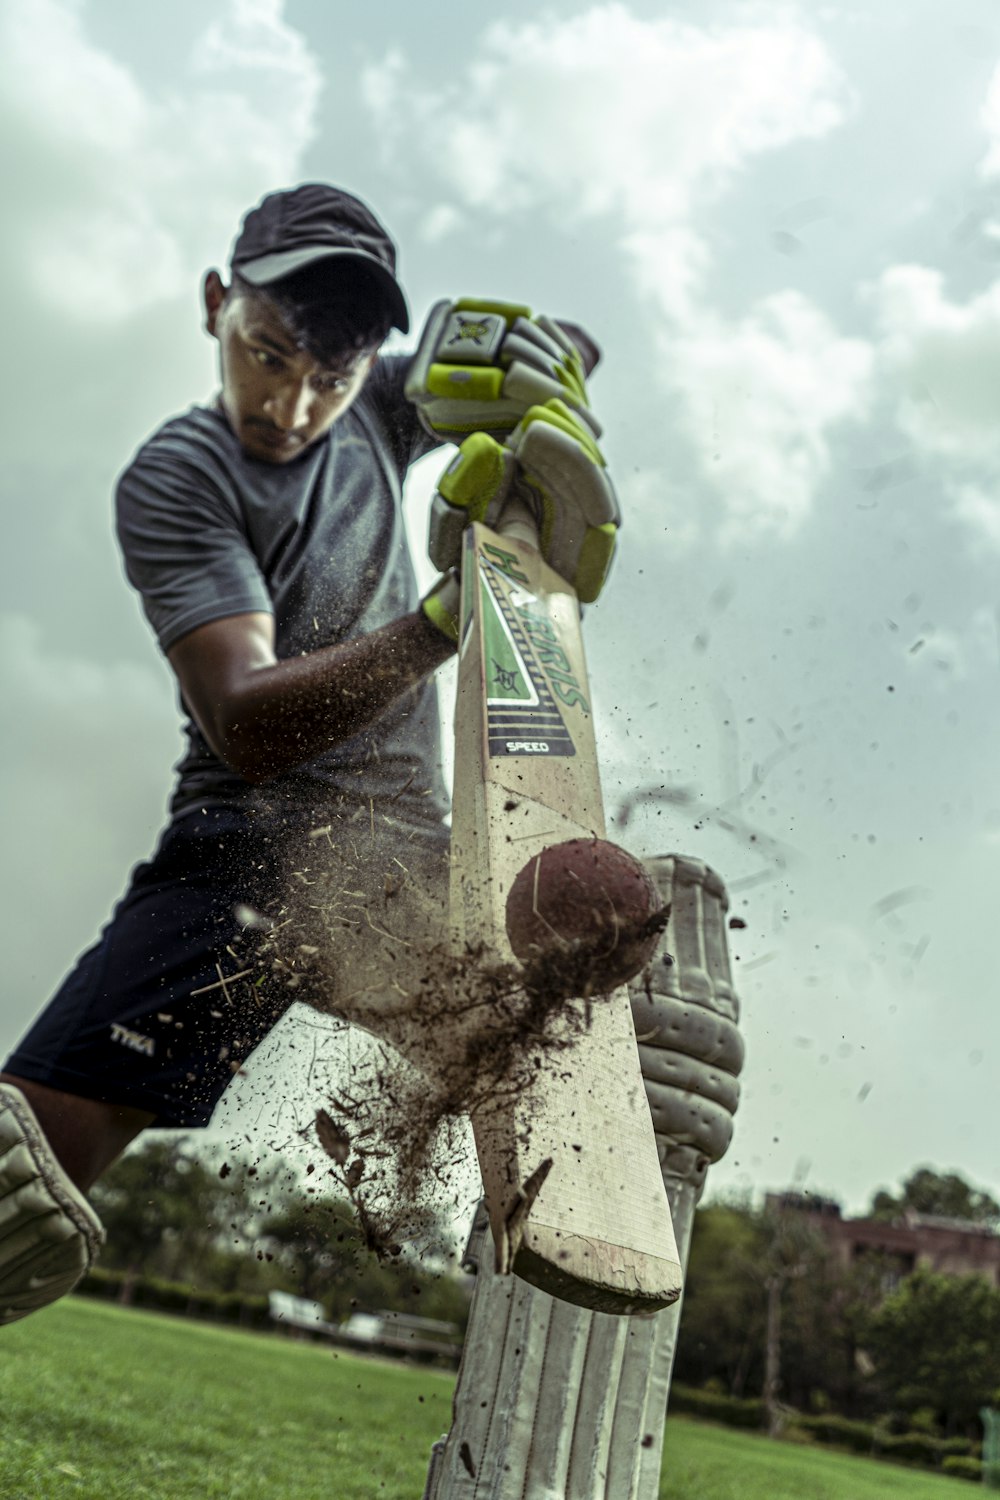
pixel 246 1228
pixel 769 1311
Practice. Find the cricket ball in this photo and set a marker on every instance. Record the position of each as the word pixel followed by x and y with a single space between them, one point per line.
pixel 583 917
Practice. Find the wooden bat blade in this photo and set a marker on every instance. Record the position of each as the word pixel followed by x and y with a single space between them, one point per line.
pixel 570 1169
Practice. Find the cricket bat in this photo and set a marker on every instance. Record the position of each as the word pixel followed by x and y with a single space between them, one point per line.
pixel 571 1176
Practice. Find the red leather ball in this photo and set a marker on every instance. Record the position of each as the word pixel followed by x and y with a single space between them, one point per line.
pixel 584 917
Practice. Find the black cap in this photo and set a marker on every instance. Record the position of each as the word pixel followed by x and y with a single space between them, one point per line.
pixel 297 227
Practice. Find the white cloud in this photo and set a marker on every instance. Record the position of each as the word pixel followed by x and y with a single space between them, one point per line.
pixel 670 266
pixel 942 361
pixel 119 195
pixel 261 110
pixel 607 112
pixel 760 396
pixel 940 365
pixel 439 222
pixel 979 510
pixel 652 491
pixel 642 124
pixel 756 396
pixel 990 117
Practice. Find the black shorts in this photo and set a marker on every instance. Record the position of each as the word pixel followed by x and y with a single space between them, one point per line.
pixel 172 998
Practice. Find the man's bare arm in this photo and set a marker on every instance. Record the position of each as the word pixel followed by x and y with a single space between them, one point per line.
pixel 263 716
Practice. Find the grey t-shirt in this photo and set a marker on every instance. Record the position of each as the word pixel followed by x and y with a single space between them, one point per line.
pixel 207 531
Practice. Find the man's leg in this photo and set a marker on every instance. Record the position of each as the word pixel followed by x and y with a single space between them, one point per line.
pixel 84 1135
pixel 145 1030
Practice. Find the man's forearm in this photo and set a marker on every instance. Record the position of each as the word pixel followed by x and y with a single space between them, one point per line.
pixel 284 714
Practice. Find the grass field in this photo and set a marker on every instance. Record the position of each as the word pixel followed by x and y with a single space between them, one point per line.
pixel 715 1463
pixel 98 1403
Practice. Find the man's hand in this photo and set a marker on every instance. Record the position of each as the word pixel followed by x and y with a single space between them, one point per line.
pixel 551 463
pixel 480 365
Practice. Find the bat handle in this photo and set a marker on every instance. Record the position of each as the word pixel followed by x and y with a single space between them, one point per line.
pixel 518 522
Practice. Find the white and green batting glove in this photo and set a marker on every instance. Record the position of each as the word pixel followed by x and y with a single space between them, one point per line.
pixel 562 474
pixel 481 365
pixel 473 487
pixel 441 605
pixel 552 464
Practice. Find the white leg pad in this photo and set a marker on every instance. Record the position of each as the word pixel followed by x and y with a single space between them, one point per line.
pixel 557 1403
pixel 554 1402
pixel 49 1234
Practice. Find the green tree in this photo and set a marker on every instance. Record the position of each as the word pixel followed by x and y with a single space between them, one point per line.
pixel 319 1244
pixel 936 1343
pixel 860 1292
pixel 169 1211
pixel 927 1191
pixel 724 1311
pixel 805 1346
pixel 252 1227
pixel 320 1247
pixel 160 1207
pixel 768 1310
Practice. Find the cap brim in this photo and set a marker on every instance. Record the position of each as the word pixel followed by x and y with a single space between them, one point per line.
pixel 266 269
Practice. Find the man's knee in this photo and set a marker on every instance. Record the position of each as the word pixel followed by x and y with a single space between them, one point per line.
pixel 49 1234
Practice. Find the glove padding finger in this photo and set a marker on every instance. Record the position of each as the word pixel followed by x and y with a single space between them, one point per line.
pixel 480 365
pixel 473 487
pixel 562 468
pixel 441 605
pixel 551 465
pixel 532 344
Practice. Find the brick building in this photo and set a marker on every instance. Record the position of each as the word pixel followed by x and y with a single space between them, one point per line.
pixel 951 1247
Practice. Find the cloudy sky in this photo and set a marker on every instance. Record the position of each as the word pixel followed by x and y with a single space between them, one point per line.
pixel 782 222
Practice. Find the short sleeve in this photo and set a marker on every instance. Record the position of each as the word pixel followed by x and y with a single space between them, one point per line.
pixel 397 417
pixel 184 545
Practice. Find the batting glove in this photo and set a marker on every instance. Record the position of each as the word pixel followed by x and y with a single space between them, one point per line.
pixel 561 471
pixel 480 365
pixel 441 604
pixel 473 487
pixel 551 463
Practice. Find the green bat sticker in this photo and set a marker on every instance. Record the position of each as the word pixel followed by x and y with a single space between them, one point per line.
pixel 523 716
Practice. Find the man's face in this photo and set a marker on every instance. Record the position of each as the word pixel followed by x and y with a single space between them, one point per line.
pixel 277 397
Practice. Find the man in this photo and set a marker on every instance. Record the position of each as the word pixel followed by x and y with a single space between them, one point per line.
pixel 265 537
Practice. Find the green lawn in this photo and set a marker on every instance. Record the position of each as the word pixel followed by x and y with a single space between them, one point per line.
pixel 715 1463
pixel 98 1403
